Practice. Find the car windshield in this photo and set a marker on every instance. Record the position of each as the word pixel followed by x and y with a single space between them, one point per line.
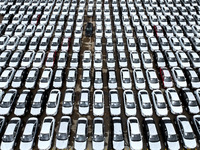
pixel 192 103
pixel 115 105
pixel 140 80
pixel 80 138
pixel 84 104
pixel 3 79
pixel 62 136
pixel 14 59
pixel 68 104
pixel 58 79
pixel 172 59
pixel 44 137
pixel 196 59
pixel 50 60
pixel 154 80
pixel 20 105
pixel 176 103
pixel 147 60
pixel 8 138
pixel 195 79
pixel 135 137
pixel 126 80
pixel 154 138
pixel 184 59
pixel 5 104
pixel 26 59
pixel 130 105
pixel 44 80
pixel 51 104
pixel 146 105
pixel 17 79
pixel 118 137
pixel 98 138
pixel 167 79
pixel 74 60
pixel 71 79
pixel 172 138
pixel 98 80
pixel 26 138
pixel 36 104
pixel 181 78
pixel 2 59
pixel 189 135
pixel 161 105
pixel 98 105
pixel 37 60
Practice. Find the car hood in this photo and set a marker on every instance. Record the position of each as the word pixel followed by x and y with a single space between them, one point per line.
pixel 98 145
pixel 173 145
pixel 136 145
pixel 130 112
pixel 26 145
pixel 98 112
pixel 19 112
pixel 118 145
pixel 80 145
pixel 190 143
pixel 61 144
pixel 7 145
pixel 194 110
pixel 67 110
pixel 154 145
pixel 115 111
pixel 35 111
pixel 83 110
pixel 51 111
pixel 195 84
pixel 4 111
pixel 44 145
pixel 16 84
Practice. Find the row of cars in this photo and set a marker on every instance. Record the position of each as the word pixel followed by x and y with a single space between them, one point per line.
pixel 169 132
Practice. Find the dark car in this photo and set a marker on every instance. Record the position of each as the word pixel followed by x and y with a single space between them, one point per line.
pixel 2 29
pixel 89 29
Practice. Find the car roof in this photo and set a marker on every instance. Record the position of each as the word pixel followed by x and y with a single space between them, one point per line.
pixel 63 126
pixel 134 127
pixel 98 128
pixel 28 129
pixel 117 128
pixel 81 128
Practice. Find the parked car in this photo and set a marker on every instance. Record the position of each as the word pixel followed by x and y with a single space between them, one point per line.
pixel 29 134
pixel 68 103
pixel 11 133
pixel 84 103
pixel 46 78
pixel 166 78
pixel 63 134
pixel 179 77
pixel 46 133
pixel 129 103
pixel 32 78
pixel 53 102
pixel 6 77
pixel 98 103
pixel 152 79
pixel 186 132
pixel 81 137
pixel 126 81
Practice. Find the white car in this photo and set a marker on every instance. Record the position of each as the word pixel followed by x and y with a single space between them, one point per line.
pixel 98 140
pixel 38 102
pixel 49 31
pixel 186 132
pixel 15 59
pixel 86 78
pixel 152 134
pixel 12 43
pixel 29 134
pixel 4 58
pixel 6 77
pixel 74 60
pixel 194 59
pixel 131 45
pixel 98 61
pixel 63 134
pixel 62 60
pixel 53 102
pixel 28 58
pixel 159 103
pixel 71 79
pixel 152 79
pixel 135 60
pixel 110 60
pixel 118 139
pixel 174 101
pixel 112 79
pixel 46 133
pixel 126 81
pixel 30 29
pixel 39 31
pixel 139 79
pixel 81 137
pixel 68 102
pixel 84 102
pixel 39 59
pixel 145 103
pixel 50 59
pixel 171 59
pixel 32 78
pixel 22 103
pixel 134 133
pixel 58 78
pixel 46 78
pixel 179 77
pixel 182 59
pixel 98 103
pixel 146 60
pixel 87 59
pixel 122 60
pixel 129 103
pixel 7 102
pixel 10 135
pixel 98 79
pixel 3 42
pixel 114 102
